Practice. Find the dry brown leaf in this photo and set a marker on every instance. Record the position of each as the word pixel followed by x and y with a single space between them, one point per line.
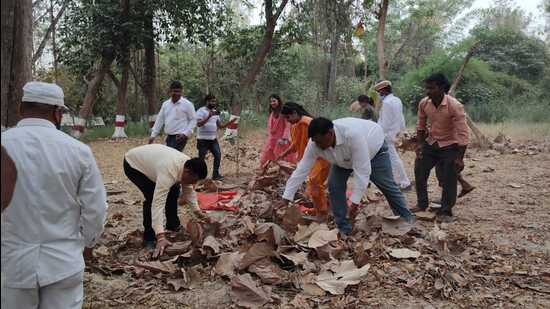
pixel 178 248
pixel 300 302
pixel 305 231
pixel 268 271
pixel 438 239
pixel 249 224
pixel 322 237
pixel 196 232
pixel 257 252
pixel 298 258
pixel 159 267
pixel 395 227
pixel 227 263
pixel 270 232
pixel 292 218
pixel 212 243
pixel 306 282
pixel 246 292
pixel 404 253
pixel 345 274
pixel 176 283
pixel 360 256
pixel 331 250
pixel 457 279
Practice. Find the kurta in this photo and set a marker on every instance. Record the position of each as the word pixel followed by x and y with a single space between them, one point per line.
pixel 316 188
pixel 278 130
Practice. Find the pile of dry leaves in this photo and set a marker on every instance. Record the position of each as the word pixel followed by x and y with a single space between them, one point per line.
pixel 281 258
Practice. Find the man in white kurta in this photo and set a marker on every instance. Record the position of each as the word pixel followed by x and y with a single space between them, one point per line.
pixel 392 121
pixel 58 207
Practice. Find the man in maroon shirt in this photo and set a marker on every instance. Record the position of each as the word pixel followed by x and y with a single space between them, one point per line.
pixel 445 143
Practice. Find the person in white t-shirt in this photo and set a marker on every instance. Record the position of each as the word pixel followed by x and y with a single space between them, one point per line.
pixel 208 123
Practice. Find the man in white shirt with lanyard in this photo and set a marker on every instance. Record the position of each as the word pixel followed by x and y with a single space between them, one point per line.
pixel 58 207
pixel 177 115
pixel 392 121
pixel 208 123
pixel 350 145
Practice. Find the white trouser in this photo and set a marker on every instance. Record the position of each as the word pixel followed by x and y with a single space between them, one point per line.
pixel 67 293
pixel 399 173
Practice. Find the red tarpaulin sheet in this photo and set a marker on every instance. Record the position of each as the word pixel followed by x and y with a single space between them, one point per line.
pixel 216 201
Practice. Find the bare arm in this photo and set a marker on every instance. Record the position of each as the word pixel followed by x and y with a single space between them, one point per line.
pixel 9 178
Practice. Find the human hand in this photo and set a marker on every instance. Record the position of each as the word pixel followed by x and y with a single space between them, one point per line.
pixel 151 140
pixel 282 141
pixel 88 254
pixel 162 244
pixel 181 137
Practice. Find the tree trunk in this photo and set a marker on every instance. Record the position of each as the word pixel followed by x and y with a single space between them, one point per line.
pixel 484 142
pixel 46 37
pixel 54 43
pixel 150 72
pixel 120 118
pixel 91 94
pixel 331 91
pixel 261 53
pixel 16 65
pixel 366 66
pixel 382 66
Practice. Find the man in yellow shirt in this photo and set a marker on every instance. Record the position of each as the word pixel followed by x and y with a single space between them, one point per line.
pixel 158 171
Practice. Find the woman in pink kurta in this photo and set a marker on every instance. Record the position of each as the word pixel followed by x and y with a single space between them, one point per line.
pixel 278 133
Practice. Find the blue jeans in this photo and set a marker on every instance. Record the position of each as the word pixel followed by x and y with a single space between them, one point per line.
pixel 381 176
pixel 205 145
pixel 172 141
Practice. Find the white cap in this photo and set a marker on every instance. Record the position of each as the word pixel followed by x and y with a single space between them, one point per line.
pixel 45 93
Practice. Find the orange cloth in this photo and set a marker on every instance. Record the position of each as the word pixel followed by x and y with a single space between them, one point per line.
pixel 447 122
pixel 316 187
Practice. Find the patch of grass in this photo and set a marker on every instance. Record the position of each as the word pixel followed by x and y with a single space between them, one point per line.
pixel 132 129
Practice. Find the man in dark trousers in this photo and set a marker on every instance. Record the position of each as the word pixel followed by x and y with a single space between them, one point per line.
pixel 444 144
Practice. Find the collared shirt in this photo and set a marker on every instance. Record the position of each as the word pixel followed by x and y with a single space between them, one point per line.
pixel 59 205
pixel 447 122
pixel 177 118
pixel 357 142
pixel 391 117
pixel 163 166
pixel 209 130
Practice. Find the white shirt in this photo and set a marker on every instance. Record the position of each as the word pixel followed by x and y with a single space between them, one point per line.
pixel 357 142
pixel 209 130
pixel 177 118
pixel 391 117
pixel 163 166
pixel 59 205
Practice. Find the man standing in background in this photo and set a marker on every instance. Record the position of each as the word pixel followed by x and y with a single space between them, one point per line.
pixel 208 123
pixel 444 144
pixel 392 121
pixel 58 207
pixel 177 115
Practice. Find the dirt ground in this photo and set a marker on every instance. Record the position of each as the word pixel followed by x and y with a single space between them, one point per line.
pixel 502 227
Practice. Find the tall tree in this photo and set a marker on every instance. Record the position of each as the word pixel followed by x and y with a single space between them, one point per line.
pixel 16 56
pixel 272 14
pixel 380 53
